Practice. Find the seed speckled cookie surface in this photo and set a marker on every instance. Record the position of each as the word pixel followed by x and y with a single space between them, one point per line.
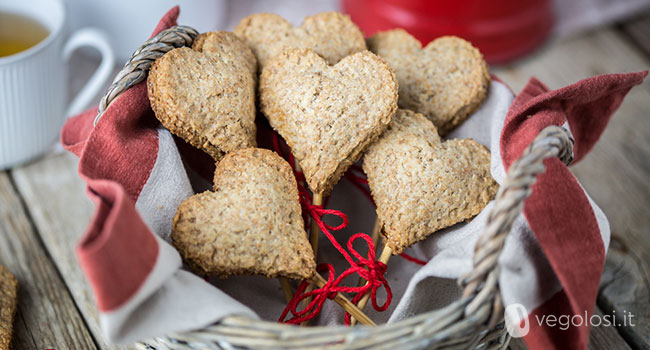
pixel 251 224
pixel 207 98
pixel 446 81
pixel 227 47
pixel 328 115
pixel 421 184
pixel 8 304
pixel 331 34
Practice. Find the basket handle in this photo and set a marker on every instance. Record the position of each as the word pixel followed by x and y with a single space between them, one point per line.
pixel 553 141
pixel 136 68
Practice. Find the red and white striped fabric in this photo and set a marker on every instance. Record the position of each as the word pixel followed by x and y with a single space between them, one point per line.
pixel 137 174
pixel 554 256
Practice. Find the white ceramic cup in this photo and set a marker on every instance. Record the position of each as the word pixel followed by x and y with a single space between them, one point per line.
pixel 34 82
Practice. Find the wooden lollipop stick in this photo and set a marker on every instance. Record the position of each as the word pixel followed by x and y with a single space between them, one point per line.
pixel 286 288
pixel 374 235
pixel 318 280
pixel 375 231
pixel 314 232
pixel 386 253
pixel 346 304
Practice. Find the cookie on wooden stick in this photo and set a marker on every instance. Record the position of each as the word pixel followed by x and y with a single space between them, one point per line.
pixel 250 224
pixel 327 114
pixel 445 81
pixel 421 184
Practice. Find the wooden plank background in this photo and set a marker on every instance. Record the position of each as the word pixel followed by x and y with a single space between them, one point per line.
pixel 61 211
pixel 47 316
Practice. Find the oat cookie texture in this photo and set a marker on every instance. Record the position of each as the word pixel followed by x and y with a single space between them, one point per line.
pixel 422 184
pixel 206 95
pixel 328 115
pixel 330 34
pixel 446 81
pixel 226 47
pixel 250 224
pixel 8 304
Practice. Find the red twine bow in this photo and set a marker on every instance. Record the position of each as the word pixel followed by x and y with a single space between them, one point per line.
pixel 369 269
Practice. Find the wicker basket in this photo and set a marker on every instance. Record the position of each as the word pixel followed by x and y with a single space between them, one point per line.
pixel 474 321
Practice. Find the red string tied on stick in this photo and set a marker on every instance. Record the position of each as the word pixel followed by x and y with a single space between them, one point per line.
pixel 319 296
pixel 373 271
pixel 369 268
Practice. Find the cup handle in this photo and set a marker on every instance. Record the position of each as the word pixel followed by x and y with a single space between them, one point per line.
pixel 95 38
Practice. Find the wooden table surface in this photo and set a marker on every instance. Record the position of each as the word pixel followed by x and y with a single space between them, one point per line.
pixel 44 209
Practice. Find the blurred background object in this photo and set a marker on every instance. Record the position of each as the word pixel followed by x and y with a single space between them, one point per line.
pixel 129 23
pixel 35 51
pixel 502 29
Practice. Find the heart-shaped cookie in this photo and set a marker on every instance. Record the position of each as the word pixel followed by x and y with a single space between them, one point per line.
pixel 331 34
pixel 421 184
pixel 251 223
pixel 207 98
pixel 328 115
pixel 446 81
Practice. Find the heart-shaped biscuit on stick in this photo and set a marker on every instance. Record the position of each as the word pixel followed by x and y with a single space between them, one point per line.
pixel 446 81
pixel 206 95
pixel 332 35
pixel 328 115
pixel 421 184
pixel 251 224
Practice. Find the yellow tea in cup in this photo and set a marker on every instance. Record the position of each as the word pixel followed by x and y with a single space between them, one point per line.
pixel 19 33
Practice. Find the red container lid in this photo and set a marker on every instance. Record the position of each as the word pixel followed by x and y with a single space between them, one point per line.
pixel 501 29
